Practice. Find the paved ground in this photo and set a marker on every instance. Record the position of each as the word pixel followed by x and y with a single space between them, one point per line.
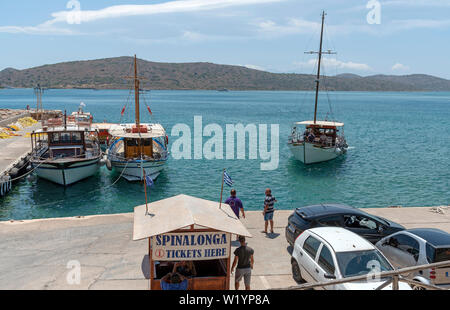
pixel 35 254
pixel 15 148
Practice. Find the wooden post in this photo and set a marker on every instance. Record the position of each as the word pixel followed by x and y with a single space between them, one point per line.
pixel 150 259
pixel 227 285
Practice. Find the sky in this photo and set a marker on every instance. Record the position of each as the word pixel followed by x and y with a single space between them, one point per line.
pixel 370 36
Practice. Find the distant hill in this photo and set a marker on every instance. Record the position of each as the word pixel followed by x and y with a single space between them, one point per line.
pixel 109 74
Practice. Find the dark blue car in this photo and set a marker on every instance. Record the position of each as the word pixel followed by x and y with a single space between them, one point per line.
pixel 368 226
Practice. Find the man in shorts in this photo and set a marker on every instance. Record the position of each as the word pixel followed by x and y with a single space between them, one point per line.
pixel 244 261
pixel 269 210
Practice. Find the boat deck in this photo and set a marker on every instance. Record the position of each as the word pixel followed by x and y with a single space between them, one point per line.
pixel 35 254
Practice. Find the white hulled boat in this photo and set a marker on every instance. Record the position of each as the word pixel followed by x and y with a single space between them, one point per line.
pixel 317 141
pixel 137 150
pixel 65 153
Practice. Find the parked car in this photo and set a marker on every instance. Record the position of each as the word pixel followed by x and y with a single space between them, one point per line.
pixel 371 227
pixel 327 253
pixel 415 247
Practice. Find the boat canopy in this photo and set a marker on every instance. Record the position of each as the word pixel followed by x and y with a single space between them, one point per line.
pixel 125 131
pixel 181 212
pixel 321 124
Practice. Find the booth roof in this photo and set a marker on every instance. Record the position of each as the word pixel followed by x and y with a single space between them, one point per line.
pixel 183 211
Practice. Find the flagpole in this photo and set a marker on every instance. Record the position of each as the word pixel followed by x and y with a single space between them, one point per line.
pixel 221 191
pixel 146 201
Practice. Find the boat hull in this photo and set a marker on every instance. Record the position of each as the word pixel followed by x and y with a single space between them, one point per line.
pixel 135 170
pixel 308 153
pixel 67 173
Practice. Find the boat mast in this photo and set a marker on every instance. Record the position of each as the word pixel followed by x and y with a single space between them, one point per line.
pixel 320 53
pixel 136 95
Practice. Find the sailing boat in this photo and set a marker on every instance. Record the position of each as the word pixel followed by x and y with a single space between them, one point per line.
pixel 318 140
pixel 137 150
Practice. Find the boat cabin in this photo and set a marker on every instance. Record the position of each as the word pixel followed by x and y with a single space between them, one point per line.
pixel 320 133
pixel 62 142
pixel 200 235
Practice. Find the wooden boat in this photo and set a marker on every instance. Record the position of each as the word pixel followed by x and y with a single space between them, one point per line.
pixel 321 140
pixel 65 153
pixel 137 150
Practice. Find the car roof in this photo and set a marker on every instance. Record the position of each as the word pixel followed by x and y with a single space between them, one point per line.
pixel 326 209
pixel 342 240
pixel 435 237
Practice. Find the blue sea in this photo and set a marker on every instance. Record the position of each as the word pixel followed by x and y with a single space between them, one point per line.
pixel 399 151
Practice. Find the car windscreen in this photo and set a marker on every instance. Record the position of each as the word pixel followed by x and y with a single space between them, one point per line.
pixel 359 263
pixel 437 255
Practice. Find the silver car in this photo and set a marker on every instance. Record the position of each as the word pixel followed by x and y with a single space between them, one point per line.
pixel 415 247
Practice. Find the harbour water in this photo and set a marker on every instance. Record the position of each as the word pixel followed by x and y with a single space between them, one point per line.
pixel 400 145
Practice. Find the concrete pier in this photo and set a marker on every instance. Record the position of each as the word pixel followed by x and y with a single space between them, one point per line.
pixel 14 149
pixel 35 254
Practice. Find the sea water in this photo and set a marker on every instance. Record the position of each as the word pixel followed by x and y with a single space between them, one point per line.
pixel 399 151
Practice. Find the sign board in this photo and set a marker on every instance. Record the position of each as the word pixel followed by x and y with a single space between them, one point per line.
pixel 191 246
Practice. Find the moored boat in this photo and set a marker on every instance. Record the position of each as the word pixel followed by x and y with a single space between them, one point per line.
pixel 65 153
pixel 322 140
pixel 137 150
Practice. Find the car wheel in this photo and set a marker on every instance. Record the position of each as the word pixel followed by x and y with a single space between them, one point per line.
pixel 418 288
pixel 296 273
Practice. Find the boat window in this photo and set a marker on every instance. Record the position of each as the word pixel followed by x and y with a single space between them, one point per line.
pixel 311 246
pixel 54 138
pixel 65 137
pixel 76 137
pixel 326 260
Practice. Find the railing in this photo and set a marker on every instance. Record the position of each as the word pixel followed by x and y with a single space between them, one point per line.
pixel 393 278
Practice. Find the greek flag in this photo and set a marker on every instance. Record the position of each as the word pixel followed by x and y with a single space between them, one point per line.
pixel 227 179
pixel 149 181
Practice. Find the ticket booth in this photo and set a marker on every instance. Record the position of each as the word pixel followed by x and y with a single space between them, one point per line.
pixel 189 229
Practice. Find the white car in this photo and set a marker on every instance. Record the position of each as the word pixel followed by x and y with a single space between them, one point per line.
pixel 329 253
pixel 421 246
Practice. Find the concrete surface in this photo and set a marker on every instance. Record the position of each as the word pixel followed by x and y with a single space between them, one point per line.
pixel 35 254
pixel 14 149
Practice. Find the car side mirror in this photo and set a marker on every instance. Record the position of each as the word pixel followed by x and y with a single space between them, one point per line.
pixel 330 277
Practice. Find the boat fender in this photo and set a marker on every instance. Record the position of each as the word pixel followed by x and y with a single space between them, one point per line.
pixel 14 172
pixel 167 140
pixel 108 165
pixel 1 190
pixel 102 162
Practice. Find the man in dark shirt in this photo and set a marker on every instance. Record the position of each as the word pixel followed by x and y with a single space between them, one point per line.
pixel 244 261
pixel 235 204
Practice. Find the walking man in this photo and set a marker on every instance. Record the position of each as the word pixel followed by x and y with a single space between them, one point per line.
pixel 244 261
pixel 235 204
pixel 269 210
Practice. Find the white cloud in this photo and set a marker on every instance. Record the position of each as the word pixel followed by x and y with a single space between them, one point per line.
pixel 117 11
pixel 334 63
pixel 400 67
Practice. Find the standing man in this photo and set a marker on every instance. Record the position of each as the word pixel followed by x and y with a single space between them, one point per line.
pixel 235 204
pixel 244 260
pixel 269 210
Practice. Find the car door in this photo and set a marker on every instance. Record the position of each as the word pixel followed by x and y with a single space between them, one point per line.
pixel 364 226
pixel 325 266
pixel 308 259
